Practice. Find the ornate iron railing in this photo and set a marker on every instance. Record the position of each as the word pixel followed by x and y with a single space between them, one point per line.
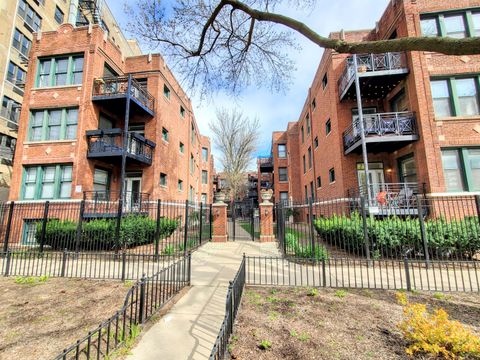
pixel 381 124
pixel 392 195
pixel 114 86
pixel 109 142
pixel 368 63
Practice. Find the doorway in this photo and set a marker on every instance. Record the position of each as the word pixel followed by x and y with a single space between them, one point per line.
pixel 376 179
pixel 133 187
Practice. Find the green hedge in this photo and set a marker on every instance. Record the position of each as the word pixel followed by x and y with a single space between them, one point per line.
pixel 303 251
pixel 394 236
pixel 99 234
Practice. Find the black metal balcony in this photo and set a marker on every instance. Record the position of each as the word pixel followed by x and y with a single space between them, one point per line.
pixel 378 73
pixel 108 145
pixel 265 163
pixel 384 132
pixel 112 92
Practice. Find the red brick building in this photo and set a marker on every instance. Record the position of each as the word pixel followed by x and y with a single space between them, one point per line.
pixel 80 91
pixel 421 114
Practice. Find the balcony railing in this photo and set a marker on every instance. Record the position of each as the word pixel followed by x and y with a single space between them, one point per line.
pixel 102 203
pixel 265 163
pixel 380 125
pixel 118 86
pixel 109 142
pixel 371 64
pixel 391 198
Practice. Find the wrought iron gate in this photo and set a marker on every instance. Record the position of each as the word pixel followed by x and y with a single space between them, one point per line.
pixel 243 221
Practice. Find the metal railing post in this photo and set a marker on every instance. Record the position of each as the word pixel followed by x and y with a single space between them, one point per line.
pixel 201 221
pixel 157 230
pixel 407 274
pixel 324 273
pixel 7 264
pixel 9 227
pixel 64 262
pixel 44 225
pixel 312 235
pixel 423 232
pixel 142 299
pixel 185 235
pixel 477 204
pixel 211 221
pixel 79 226
pixel 365 226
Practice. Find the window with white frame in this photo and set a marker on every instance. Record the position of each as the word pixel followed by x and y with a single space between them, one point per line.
pixel 47 182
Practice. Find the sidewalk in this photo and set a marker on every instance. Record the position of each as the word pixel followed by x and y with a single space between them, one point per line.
pixel 190 328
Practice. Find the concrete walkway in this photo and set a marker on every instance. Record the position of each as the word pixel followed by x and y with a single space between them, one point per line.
pixel 190 328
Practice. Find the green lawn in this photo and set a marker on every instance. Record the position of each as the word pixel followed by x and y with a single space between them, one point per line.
pixel 247 226
pixel 296 232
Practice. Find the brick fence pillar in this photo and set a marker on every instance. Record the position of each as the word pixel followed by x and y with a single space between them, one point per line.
pixel 266 222
pixel 219 222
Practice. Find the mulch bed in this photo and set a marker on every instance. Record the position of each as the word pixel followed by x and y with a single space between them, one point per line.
pixel 333 324
pixel 38 319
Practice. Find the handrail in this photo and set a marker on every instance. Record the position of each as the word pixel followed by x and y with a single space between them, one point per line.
pixel 118 85
pixel 380 124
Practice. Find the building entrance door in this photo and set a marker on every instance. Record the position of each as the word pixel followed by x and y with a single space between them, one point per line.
pixel 132 197
pixel 376 179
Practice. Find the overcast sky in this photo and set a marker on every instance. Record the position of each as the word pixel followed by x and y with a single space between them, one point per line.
pixel 275 110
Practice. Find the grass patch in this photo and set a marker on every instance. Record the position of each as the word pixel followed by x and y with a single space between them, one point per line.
pixel 31 280
pixel 340 293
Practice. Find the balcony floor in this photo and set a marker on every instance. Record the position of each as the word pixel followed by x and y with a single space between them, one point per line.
pixel 116 104
pixel 115 157
pixel 378 144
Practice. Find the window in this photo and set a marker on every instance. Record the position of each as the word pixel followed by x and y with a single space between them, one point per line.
pixel 204 198
pixel 461 169
pixel 458 25
pixel 306 193
pixel 192 135
pixel 304 165
pixel 166 91
pixel 21 42
pixel 15 74
pixel 59 16
pixel 180 185
pixel 315 142
pixel 47 182
pixel 282 174
pixel 312 190
pixel 284 197
pixel 324 81
pixel 430 27
pixel 182 111
pixel 308 124
pixel 192 164
pixel 164 134
pixel 205 154
pixel 182 147
pixel 328 127
pixel 53 124
pixel 455 96
pixel 204 177
pixel 303 135
pixel 10 110
pixel 101 180
pixel 441 98
pixel 408 170
pixel 60 71
pixel 314 104
pixel 282 151
pixel 455 26
pixel 163 179
pixel 32 19
pixel 191 194
pixel 29 232
pixel 310 160
pixel 319 182
pixel 331 175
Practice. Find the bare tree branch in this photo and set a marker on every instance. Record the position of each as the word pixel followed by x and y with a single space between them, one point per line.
pixel 236 137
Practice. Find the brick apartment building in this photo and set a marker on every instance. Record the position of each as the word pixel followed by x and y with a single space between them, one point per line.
pixel 421 114
pixel 79 93
pixel 20 20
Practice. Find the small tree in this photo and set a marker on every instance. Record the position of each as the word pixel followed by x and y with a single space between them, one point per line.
pixel 227 44
pixel 235 136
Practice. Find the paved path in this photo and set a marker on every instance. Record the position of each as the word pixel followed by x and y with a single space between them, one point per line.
pixel 190 328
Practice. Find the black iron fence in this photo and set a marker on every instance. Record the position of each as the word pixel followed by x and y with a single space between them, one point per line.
pixel 408 274
pixel 143 300
pixel 429 228
pixel 234 297
pixel 65 238
pixel 243 220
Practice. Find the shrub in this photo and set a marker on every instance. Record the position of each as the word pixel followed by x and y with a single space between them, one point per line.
pixel 304 251
pixel 265 345
pixel 99 234
pixel 393 236
pixel 435 334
